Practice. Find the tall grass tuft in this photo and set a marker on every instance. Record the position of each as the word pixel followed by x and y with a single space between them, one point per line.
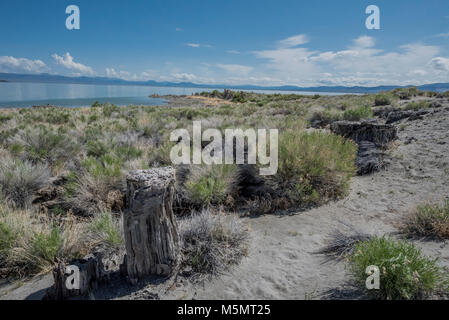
pixel 106 231
pixel 314 167
pixel 19 180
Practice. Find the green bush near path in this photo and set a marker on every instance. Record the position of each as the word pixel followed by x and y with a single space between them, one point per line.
pixel 405 273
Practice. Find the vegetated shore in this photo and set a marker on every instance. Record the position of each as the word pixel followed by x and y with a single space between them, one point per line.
pixel 281 260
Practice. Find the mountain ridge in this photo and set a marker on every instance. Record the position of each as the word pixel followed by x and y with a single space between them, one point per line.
pixel 49 78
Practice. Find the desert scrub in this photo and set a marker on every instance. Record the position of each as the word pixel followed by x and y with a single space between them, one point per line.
pixel 19 180
pixel 211 243
pixel 405 273
pixel 44 145
pixel 323 118
pixel 428 221
pixel 382 99
pixel 314 167
pixel 30 243
pixel 417 105
pixel 362 112
pixel 211 185
pixel 105 231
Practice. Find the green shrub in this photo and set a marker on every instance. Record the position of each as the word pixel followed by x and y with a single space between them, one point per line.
pixel 417 105
pixel 44 145
pixel 358 113
pixel 105 231
pixel 382 99
pixel 428 220
pixel 96 104
pixel 212 184
pixel 324 117
pixel 96 148
pixel 127 152
pixel 105 166
pixel 46 245
pixel 5 118
pixel 7 238
pixel 109 109
pixel 314 167
pixel 405 273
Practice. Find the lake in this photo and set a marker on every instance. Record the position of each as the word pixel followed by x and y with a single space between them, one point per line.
pixel 78 95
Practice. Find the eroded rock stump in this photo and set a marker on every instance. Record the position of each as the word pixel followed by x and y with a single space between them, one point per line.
pixel 371 137
pixel 379 134
pixel 75 280
pixel 151 234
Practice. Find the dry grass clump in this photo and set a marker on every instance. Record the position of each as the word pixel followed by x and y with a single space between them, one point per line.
pixel 428 221
pixel 30 243
pixel 19 180
pixel 211 242
pixel 341 245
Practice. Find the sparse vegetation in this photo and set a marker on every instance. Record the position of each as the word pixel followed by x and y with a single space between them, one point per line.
pixel 83 154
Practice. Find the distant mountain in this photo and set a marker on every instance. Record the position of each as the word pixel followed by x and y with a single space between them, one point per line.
pixel 49 78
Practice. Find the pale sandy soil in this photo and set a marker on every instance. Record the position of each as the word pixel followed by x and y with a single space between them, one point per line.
pixel 281 263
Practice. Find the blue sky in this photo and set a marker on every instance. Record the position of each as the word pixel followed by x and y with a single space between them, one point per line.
pixel 233 42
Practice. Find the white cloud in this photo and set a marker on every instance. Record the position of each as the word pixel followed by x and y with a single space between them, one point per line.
pixel 233 52
pixel 443 35
pixel 197 45
pixel 179 29
pixel 184 76
pixel 439 63
pixel 293 41
pixel 361 63
pixel 67 62
pixel 12 64
pixel 235 69
pixel 364 42
pixel 112 73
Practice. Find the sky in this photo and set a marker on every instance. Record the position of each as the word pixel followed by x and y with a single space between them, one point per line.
pixel 283 42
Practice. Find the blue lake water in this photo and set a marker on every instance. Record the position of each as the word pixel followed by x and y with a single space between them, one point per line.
pixel 77 95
